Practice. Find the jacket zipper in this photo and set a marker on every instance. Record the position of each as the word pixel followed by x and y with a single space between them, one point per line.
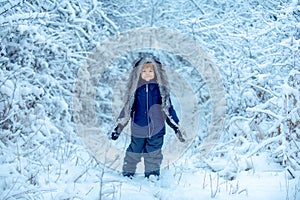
pixel 147 104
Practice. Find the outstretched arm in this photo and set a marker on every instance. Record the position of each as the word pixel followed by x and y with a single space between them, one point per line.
pixel 173 121
pixel 173 117
pixel 121 123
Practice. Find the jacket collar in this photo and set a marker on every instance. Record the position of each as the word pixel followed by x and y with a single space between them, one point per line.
pixel 143 82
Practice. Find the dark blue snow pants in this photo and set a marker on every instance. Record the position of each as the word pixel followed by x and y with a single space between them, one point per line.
pixel 150 149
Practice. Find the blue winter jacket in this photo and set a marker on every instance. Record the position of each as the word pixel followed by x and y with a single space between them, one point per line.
pixel 147 116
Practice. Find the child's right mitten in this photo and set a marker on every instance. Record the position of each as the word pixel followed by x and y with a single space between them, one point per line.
pixel 117 131
pixel 115 135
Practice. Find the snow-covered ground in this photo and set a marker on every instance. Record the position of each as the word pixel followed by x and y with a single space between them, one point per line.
pixel 181 181
pixel 255 46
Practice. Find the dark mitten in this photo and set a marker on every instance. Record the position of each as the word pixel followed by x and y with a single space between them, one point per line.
pixel 117 131
pixel 179 135
pixel 115 135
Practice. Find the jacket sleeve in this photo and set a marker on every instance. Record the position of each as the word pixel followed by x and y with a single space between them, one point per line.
pixel 173 116
pixel 121 120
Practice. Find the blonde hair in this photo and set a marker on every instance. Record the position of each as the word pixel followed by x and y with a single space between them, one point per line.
pixel 148 65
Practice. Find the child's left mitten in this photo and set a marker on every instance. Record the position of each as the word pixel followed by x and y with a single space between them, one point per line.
pixel 180 135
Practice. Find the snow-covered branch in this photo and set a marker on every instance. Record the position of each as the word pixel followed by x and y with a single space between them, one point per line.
pixel 9 5
pixel 16 18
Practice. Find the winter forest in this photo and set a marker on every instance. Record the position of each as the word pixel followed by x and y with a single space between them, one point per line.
pixel 254 46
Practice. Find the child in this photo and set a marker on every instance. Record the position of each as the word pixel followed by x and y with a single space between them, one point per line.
pixel 148 105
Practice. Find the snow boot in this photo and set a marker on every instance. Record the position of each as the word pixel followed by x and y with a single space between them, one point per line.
pixel 154 173
pixel 128 174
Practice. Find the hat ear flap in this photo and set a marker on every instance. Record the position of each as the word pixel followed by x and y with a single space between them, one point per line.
pixel 150 57
pixel 156 60
pixel 137 63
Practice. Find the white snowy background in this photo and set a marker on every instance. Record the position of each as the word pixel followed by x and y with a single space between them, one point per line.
pixel 255 45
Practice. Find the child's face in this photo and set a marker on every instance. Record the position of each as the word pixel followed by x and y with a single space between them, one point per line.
pixel 148 72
